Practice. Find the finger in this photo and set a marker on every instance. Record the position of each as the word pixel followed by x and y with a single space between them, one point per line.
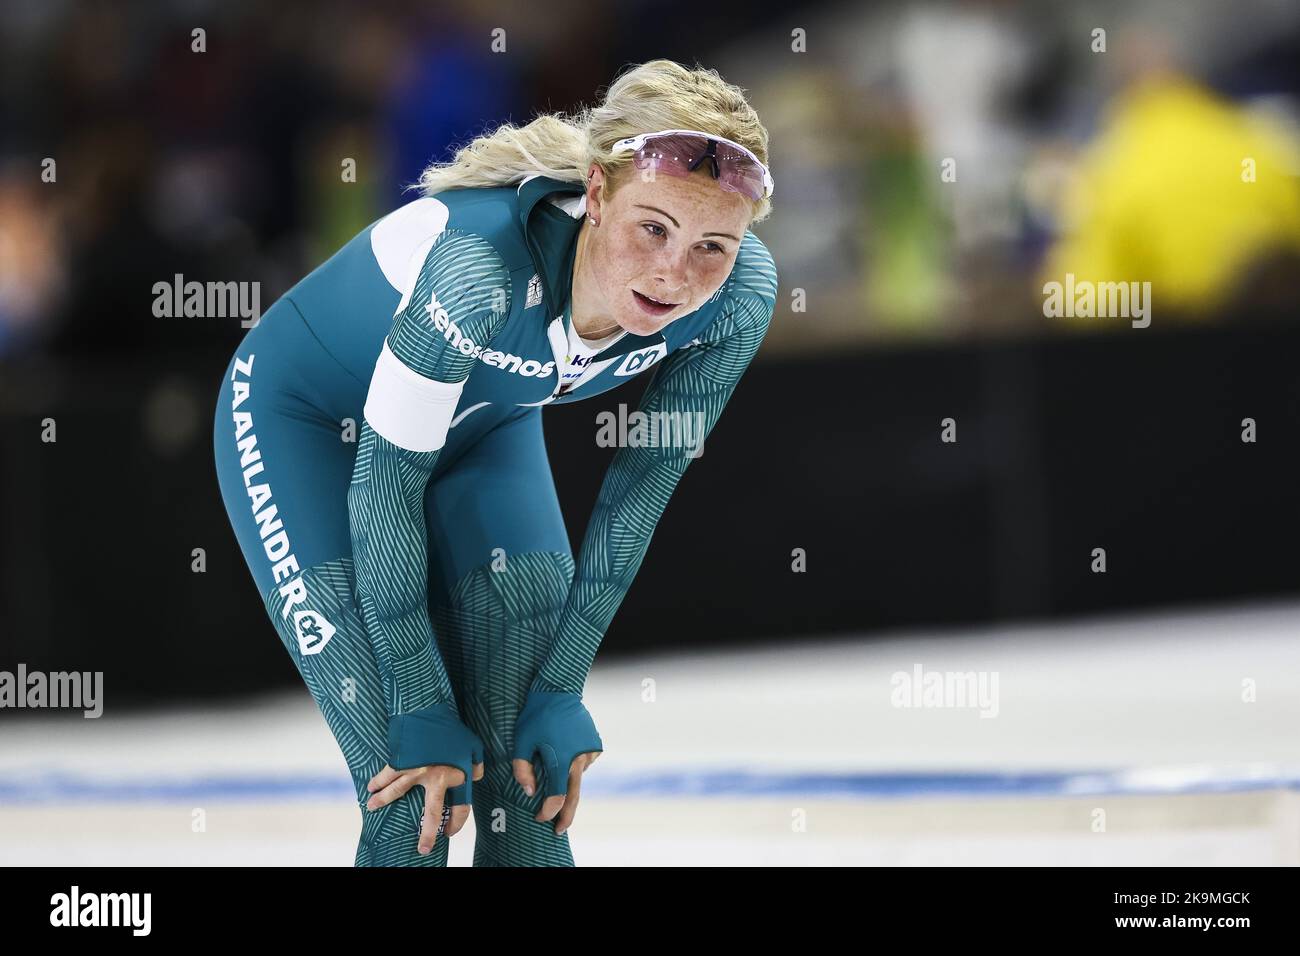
pixel 383 778
pixel 552 768
pixel 570 808
pixel 459 791
pixel 394 791
pixel 459 815
pixel 524 775
pixel 446 775
pixel 432 819
pixel 550 807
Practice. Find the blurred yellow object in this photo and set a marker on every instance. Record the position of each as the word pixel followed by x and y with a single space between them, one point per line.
pixel 1182 189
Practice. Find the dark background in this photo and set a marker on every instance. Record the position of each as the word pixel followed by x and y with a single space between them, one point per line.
pixel 224 165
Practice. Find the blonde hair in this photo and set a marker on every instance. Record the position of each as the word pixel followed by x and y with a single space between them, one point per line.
pixel 659 94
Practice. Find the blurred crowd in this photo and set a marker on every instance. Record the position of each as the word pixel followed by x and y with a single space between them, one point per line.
pixel 936 163
pixel 220 156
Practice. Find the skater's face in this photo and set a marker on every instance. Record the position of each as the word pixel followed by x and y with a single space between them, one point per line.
pixel 669 238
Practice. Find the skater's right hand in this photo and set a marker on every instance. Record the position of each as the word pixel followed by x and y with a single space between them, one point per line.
pixel 389 785
pixel 433 737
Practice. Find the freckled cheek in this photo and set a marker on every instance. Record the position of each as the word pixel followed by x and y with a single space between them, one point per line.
pixel 632 272
pixel 617 273
pixel 706 280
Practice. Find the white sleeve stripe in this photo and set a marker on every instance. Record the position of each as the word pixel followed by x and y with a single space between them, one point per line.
pixel 411 411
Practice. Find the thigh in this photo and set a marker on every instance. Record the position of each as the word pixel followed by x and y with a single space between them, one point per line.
pixel 282 464
pixel 284 469
pixel 496 501
pixel 500 569
pixel 284 472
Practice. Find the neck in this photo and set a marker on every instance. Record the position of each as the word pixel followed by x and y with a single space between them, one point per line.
pixel 589 326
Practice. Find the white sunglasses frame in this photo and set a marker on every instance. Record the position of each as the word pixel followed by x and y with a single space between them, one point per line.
pixel 633 143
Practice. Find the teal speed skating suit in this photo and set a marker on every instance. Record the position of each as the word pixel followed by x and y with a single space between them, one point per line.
pixel 379 449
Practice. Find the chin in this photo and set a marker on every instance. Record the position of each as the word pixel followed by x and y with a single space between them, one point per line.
pixel 638 323
pixel 643 324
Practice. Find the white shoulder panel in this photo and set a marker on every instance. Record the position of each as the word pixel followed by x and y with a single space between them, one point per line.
pixel 398 235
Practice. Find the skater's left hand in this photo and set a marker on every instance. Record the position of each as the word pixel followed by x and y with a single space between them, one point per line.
pixel 558 728
pixel 566 804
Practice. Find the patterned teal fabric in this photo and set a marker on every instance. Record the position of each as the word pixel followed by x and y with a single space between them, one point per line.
pixel 346 685
pixel 464 274
pixel 495 632
pixel 640 480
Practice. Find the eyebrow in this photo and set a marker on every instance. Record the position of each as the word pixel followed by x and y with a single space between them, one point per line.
pixel 679 225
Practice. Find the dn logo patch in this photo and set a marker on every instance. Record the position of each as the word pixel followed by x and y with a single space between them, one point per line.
pixel 641 359
pixel 313 631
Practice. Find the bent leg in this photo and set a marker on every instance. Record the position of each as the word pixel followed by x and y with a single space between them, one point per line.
pixel 503 573
pixel 343 677
pixel 284 470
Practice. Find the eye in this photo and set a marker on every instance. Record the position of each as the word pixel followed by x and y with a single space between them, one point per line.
pixel 716 250
pixel 654 225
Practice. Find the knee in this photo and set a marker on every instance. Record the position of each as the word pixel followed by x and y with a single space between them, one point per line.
pixel 505 831
pixel 390 836
pixel 494 634
pixel 311 608
pixel 326 637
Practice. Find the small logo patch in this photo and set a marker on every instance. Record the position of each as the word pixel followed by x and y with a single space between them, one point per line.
pixel 641 359
pixel 313 631
pixel 534 292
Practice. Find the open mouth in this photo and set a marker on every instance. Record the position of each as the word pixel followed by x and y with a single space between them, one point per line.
pixel 653 306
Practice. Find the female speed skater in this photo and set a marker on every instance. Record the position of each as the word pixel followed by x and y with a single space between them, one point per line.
pixel 379 447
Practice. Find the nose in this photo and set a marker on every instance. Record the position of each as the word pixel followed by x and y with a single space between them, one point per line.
pixel 670 274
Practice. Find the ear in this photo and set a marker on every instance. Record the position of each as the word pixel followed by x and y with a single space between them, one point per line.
pixel 595 189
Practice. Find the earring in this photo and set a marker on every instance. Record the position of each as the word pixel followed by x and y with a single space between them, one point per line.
pixel 592 219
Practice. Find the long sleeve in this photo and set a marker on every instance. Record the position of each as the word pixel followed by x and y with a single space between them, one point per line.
pixel 460 292
pixel 691 387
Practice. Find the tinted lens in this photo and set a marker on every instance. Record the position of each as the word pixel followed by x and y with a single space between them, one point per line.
pixel 739 173
pixel 676 155
pixel 671 154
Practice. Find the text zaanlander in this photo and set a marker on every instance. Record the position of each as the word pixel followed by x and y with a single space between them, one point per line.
pixel 310 626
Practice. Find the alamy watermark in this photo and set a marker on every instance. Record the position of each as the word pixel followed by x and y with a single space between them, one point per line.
pixel 651 430
pixel 1084 299
pixel 77 908
pixel 208 300
pixel 955 689
pixel 61 689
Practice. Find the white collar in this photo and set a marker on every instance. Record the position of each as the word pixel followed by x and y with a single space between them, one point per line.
pixel 575 206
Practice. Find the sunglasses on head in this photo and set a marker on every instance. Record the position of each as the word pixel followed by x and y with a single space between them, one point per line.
pixel 679 152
